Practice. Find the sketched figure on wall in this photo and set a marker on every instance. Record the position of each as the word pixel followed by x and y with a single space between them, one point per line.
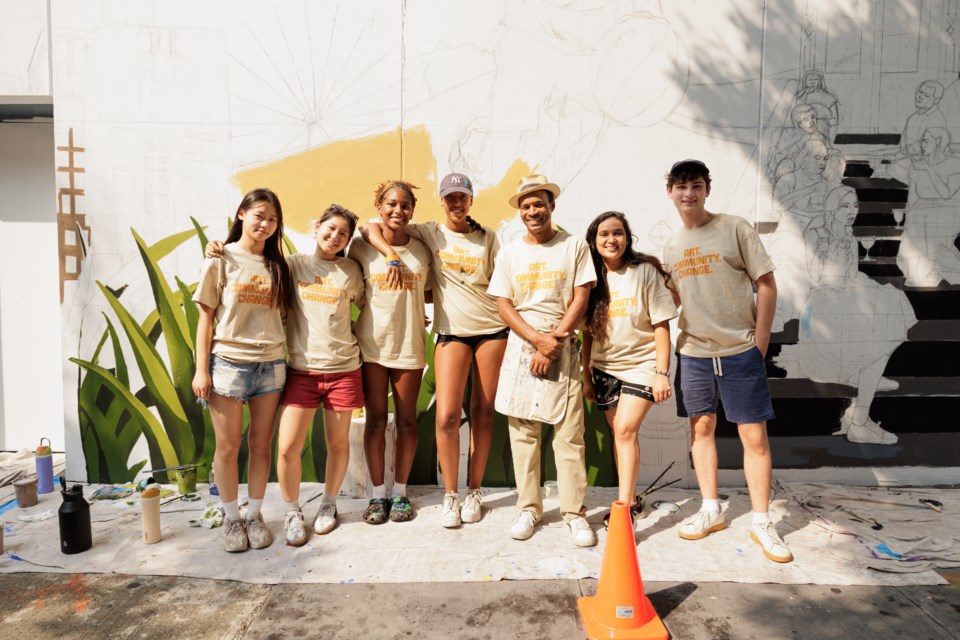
pixel 814 92
pixel 927 252
pixel 804 190
pixel 792 140
pixel 846 307
pixel 799 196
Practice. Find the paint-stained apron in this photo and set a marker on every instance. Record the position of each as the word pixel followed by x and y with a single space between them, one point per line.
pixel 521 394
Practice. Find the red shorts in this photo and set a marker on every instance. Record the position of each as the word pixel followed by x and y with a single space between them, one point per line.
pixel 337 391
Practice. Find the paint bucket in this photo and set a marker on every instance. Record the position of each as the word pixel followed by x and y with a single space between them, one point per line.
pixel 550 489
pixel 26 490
pixel 186 479
pixel 150 514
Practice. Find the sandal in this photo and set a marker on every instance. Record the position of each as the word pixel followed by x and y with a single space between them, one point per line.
pixel 400 509
pixel 376 512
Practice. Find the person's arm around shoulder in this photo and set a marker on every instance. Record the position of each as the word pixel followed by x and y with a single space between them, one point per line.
pixel 766 307
pixel 372 233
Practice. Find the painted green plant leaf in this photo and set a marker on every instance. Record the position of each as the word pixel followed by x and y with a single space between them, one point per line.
pixel 200 235
pixel 156 437
pixel 156 379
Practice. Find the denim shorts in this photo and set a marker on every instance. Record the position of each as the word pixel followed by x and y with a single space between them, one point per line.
pixel 247 380
pixel 739 381
pixel 609 388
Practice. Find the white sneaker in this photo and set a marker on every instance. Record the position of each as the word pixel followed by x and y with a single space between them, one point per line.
pixel 326 519
pixel 583 535
pixel 472 506
pixel 258 533
pixel 773 546
pixel 293 528
pixel 234 535
pixel 450 518
pixel 870 433
pixel 701 525
pixel 523 526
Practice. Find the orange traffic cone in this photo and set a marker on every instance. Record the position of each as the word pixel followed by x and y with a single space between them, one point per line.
pixel 620 609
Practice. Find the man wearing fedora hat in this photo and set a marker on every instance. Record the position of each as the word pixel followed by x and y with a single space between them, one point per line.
pixel 542 282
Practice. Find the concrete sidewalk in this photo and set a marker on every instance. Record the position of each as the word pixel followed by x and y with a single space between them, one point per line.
pixel 35 605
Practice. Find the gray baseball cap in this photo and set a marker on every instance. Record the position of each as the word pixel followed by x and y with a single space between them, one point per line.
pixel 455 183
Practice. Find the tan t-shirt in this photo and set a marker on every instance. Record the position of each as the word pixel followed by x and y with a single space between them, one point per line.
pixel 391 327
pixel 319 336
pixel 713 269
pixel 539 278
pixel 238 286
pixel 462 266
pixel 639 299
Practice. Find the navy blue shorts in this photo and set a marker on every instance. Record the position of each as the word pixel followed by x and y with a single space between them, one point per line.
pixel 739 381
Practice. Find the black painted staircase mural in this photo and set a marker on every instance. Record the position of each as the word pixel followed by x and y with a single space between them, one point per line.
pixel 924 412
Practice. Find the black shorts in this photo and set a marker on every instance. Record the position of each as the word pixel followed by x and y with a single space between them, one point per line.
pixel 609 388
pixel 473 341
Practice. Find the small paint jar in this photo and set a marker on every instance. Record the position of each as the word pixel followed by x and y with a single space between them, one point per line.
pixel 26 490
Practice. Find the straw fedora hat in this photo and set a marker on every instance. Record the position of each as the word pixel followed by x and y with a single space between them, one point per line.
pixel 529 184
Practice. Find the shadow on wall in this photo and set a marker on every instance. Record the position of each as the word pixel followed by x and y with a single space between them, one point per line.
pixel 857 204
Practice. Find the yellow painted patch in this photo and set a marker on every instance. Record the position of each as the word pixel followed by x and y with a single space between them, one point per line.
pixel 348 172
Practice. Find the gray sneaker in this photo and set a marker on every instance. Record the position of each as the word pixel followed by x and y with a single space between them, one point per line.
pixel 472 506
pixel 258 534
pixel 293 528
pixel 326 519
pixel 234 536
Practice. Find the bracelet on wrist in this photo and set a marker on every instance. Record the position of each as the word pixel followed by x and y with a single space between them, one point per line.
pixel 392 260
pixel 661 372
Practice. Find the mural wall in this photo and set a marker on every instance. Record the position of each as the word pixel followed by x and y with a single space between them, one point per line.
pixel 829 125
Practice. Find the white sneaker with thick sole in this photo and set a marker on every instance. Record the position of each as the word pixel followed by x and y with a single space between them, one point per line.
pixel 523 526
pixel 583 535
pixel 450 517
pixel 293 529
pixel 701 525
pixel 770 541
pixel 258 533
pixel 472 506
pixel 234 535
pixel 326 519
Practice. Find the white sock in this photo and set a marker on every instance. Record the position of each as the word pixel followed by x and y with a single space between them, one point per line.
pixel 328 499
pixel 253 508
pixel 380 491
pixel 293 506
pixel 712 505
pixel 232 509
pixel 760 518
pixel 399 489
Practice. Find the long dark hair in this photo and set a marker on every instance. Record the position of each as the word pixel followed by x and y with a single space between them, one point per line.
pixel 335 210
pixel 273 247
pixel 599 301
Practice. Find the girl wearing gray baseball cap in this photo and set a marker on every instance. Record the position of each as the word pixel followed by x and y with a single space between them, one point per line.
pixel 471 337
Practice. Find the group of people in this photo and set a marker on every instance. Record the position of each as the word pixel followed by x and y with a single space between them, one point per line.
pixel 506 320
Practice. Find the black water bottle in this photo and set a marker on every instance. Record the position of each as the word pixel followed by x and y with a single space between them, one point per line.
pixel 75 534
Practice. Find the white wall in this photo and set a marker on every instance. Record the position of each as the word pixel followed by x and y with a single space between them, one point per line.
pixel 31 388
pixel 24 48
